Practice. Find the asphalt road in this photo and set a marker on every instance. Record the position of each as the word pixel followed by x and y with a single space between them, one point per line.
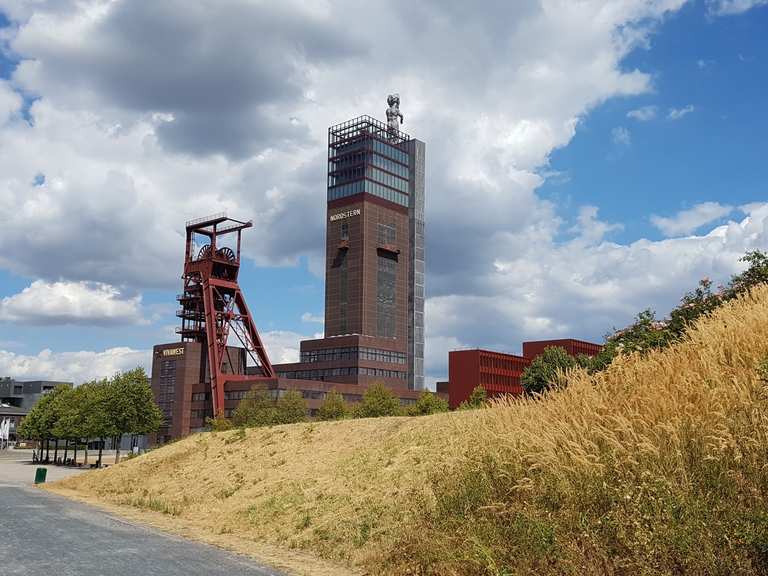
pixel 42 533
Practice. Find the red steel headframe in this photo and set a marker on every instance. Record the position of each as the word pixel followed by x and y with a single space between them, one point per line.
pixel 213 306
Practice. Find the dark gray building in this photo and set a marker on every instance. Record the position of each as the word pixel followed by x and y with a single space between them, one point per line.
pixel 17 398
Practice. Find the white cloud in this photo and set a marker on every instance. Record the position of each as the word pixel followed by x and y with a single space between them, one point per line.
pixel 732 7
pixel 10 102
pixel 282 345
pixel 82 366
pixel 84 303
pixel 589 228
pixel 134 134
pixel 77 367
pixel 621 136
pixel 313 318
pixel 541 289
pixel 643 114
pixel 677 113
pixel 688 221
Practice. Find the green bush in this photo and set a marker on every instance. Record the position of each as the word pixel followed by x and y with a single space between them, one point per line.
pixel 258 409
pixel 378 400
pixel 544 372
pixel 427 403
pixel 477 399
pixel 333 407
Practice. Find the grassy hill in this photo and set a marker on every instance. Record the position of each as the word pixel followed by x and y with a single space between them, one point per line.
pixel 657 466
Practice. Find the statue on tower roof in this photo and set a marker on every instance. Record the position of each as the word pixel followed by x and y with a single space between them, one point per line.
pixel 394 117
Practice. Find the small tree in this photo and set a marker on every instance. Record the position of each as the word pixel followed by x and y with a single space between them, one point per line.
pixel 333 407
pixel 220 423
pixel 477 399
pixel 290 408
pixel 378 400
pixel 130 406
pixel 428 403
pixel 756 273
pixel 256 409
pixel 545 370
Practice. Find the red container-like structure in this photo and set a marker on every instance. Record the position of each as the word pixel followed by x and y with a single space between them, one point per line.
pixel 213 307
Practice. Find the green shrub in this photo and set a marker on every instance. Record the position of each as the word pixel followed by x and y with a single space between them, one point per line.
pixel 333 407
pixel 477 399
pixel 545 370
pixel 378 400
pixel 428 403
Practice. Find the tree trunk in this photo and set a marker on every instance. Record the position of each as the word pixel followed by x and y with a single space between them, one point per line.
pixel 55 451
pixel 40 445
pixel 66 449
pixel 101 447
pixel 74 458
pixel 47 450
pixel 85 458
pixel 117 448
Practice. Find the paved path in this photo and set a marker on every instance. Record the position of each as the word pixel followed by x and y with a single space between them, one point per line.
pixel 42 533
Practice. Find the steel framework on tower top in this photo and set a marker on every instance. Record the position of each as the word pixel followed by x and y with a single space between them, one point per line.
pixel 213 307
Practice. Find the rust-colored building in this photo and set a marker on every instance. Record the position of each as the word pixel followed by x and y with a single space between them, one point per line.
pixel 374 281
pixel 185 398
pixel 497 372
pixel 532 349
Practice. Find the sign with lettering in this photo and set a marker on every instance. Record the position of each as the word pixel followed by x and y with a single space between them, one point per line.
pixel 173 351
pixel 347 214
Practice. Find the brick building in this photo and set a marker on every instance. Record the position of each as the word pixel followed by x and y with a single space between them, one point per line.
pixel 497 372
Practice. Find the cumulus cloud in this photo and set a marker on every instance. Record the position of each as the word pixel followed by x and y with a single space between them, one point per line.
pixel 688 221
pixel 551 290
pixel 677 113
pixel 732 7
pixel 643 114
pixel 77 367
pixel 10 102
pixel 133 132
pixel 84 303
pixel 82 366
pixel 283 345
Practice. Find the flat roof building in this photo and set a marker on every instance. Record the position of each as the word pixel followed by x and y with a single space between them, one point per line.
pixel 17 398
pixel 500 373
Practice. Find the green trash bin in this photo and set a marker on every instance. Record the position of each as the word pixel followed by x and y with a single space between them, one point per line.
pixel 40 475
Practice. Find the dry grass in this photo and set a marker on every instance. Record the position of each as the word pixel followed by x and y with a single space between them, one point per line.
pixel 338 489
pixel 657 466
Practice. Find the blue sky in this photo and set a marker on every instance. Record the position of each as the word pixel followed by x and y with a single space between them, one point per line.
pixel 535 229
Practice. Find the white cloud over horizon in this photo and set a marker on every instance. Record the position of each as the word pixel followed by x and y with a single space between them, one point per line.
pixel 690 220
pixel 134 133
pixel 86 303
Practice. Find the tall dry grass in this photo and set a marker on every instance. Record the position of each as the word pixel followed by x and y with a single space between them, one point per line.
pixel 657 466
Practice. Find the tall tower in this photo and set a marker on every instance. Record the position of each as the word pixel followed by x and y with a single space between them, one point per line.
pixel 374 291
pixel 213 309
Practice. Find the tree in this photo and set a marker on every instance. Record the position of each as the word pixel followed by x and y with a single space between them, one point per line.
pixel 756 273
pixel 476 400
pixel 333 407
pixel 130 406
pixel 545 370
pixel 378 400
pixel 290 408
pixel 428 403
pixel 256 409
pixel 219 423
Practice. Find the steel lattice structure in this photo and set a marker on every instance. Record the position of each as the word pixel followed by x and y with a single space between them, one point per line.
pixel 213 306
